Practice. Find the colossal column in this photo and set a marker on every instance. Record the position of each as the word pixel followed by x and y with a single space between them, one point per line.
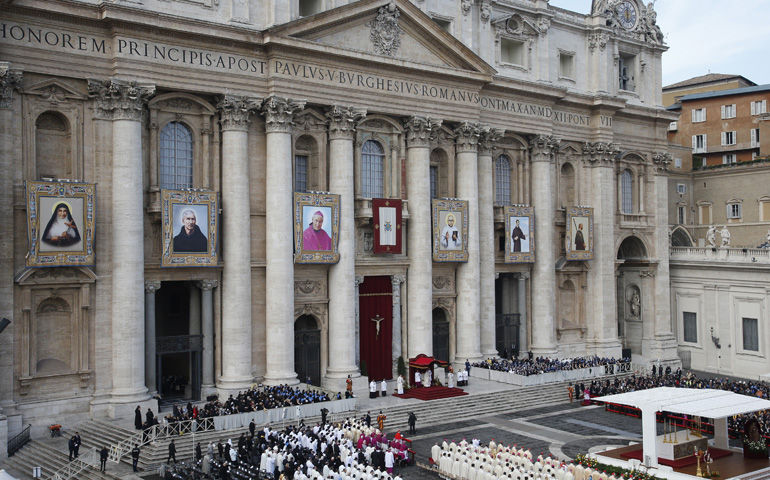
pixel 603 328
pixel 235 111
pixel 468 309
pixel 149 336
pixel 521 292
pixel 207 328
pixel 486 189
pixel 123 102
pixel 342 287
pixel 420 291
pixel 542 153
pixel 396 281
pixel 279 241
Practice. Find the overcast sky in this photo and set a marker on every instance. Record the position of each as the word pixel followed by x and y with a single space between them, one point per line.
pixel 716 36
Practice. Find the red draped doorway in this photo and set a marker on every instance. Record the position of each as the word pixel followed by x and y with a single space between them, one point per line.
pixel 375 307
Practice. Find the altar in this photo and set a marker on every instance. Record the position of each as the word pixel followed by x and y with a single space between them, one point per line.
pixel 668 450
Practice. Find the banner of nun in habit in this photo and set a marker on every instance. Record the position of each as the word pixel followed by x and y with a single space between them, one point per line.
pixel 316 228
pixel 386 214
pixel 60 223
pixel 579 236
pixel 190 221
pixel 450 230
pixel 520 240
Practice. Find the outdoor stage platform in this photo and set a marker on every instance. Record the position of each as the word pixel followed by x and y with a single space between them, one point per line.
pixel 728 466
pixel 432 393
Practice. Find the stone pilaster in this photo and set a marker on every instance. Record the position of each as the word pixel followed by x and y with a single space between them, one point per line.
pixel 521 293
pixel 468 307
pixel 420 293
pixel 486 188
pixel 235 111
pixel 542 155
pixel 207 328
pixel 150 343
pixel 602 311
pixel 279 240
pixel 396 281
pixel 342 289
pixel 358 281
pixel 123 102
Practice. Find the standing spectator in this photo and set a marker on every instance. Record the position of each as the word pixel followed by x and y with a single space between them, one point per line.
pixel 150 417
pixel 171 452
pixel 138 417
pixel 412 422
pixel 71 445
pixel 324 413
pixel 103 454
pixel 77 444
pixel 198 452
pixel 135 456
pixel 384 388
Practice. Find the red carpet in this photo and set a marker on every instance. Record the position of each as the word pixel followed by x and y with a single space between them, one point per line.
pixel 682 462
pixel 432 393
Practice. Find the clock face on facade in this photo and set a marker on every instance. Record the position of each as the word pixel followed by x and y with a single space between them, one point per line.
pixel 626 14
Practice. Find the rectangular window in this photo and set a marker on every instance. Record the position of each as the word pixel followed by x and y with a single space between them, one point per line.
pixel 626 72
pixel 681 188
pixel 765 209
pixel 728 158
pixel 754 137
pixel 759 107
pixel 690 324
pixel 433 182
pixel 681 215
pixel 300 173
pixel 728 111
pixel 699 143
pixel 672 127
pixel 445 25
pixel 511 51
pixel 728 138
pixel 566 65
pixel 698 115
pixel 705 214
pixel 750 334
pixel 678 162
pixel 734 210
pixel 309 7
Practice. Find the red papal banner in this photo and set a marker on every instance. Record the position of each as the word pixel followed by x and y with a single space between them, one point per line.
pixel 387 225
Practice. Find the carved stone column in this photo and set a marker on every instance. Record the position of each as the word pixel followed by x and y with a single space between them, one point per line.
pixel 279 114
pixel 486 189
pixel 602 310
pixel 542 153
pixel 358 281
pixel 420 293
pixel 10 80
pixel 468 306
pixel 234 112
pixel 396 281
pixel 342 289
pixel 207 328
pixel 521 293
pixel 150 367
pixel 123 102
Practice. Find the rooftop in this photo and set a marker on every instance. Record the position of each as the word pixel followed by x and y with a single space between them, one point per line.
pixel 708 78
pixel 725 93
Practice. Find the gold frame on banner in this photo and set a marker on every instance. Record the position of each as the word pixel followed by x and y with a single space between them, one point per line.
pixel 306 205
pixel 577 217
pixel 447 251
pixel 524 214
pixel 204 251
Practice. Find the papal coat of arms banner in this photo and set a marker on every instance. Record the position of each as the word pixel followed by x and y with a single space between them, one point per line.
pixel 387 225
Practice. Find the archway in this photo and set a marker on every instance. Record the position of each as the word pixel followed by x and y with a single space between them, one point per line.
pixel 680 237
pixel 440 335
pixel 178 342
pixel 307 350
pixel 634 296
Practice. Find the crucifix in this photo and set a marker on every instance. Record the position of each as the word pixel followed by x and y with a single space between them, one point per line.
pixel 377 319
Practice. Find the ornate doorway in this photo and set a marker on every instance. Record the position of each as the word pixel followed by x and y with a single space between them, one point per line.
pixel 507 333
pixel 307 349
pixel 440 335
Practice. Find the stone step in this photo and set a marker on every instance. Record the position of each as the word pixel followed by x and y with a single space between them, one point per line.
pixel 50 459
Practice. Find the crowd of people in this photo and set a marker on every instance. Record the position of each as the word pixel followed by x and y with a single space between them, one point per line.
pixel 539 365
pixel 355 449
pixel 264 398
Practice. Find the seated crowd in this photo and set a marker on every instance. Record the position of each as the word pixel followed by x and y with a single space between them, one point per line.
pixel 264 398
pixel 347 451
pixel 536 366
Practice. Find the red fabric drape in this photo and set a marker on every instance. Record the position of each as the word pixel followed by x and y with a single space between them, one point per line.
pixel 375 298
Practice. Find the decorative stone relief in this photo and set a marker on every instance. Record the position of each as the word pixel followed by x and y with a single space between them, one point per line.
pixel 442 283
pixel 661 161
pixel 235 111
pixel 151 286
pixel 279 113
pixel 599 40
pixel 467 136
pixel 646 28
pixel 306 287
pixel 317 310
pixel 486 12
pixel 489 138
pixel 600 153
pixel 634 301
pixel 421 130
pixel 9 80
pixel 118 99
pixel 385 32
pixel 543 147
pixel 343 120
pixel 206 285
pixel 368 242
pixel 466 6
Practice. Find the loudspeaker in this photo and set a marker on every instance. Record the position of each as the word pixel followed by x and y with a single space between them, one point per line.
pixel 4 323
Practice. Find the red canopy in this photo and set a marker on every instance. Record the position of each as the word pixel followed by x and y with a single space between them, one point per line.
pixel 424 362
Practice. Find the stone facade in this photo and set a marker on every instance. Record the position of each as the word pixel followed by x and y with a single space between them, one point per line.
pixel 501 102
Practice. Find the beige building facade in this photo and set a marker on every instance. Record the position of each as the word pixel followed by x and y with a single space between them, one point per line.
pixel 494 103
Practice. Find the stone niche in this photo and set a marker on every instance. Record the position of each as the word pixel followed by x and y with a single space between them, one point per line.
pixel 53 334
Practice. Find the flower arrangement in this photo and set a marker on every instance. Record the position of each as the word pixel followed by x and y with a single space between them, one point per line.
pixel 626 474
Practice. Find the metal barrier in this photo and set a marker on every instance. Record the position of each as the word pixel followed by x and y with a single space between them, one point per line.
pixel 15 444
pixel 73 468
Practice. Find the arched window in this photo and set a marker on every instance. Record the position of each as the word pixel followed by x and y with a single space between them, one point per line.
pixel 628 193
pixel 372 160
pixel 176 157
pixel 502 180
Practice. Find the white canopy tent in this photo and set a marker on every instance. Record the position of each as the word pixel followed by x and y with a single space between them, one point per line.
pixel 716 404
pixel 6 476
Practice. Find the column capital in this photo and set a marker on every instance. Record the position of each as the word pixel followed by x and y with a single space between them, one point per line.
pixel 235 110
pixel 420 130
pixel 467 136
pixel 207 285
pixel 359 280
pixel 489 138
pixel 151 286
pixel 661 161
pixel 343 120
pixel 279 113
pixel 543 147
pixel 600 154
pixel 397 280
pixel 9 80
pixel 522 275
pixel 118 99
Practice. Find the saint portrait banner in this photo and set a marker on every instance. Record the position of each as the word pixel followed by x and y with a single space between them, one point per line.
pixel 190 224
pixel 317 228
pixel 579 237
pixel 387 225
pixel 520 239
pixel 450 231
pixel 61 217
